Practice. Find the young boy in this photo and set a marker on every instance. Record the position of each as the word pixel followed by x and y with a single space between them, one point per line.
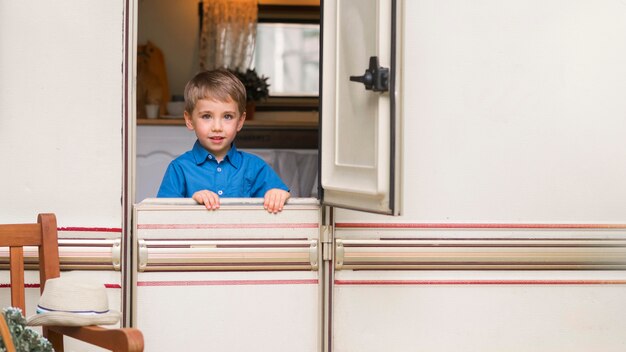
pixel 214 168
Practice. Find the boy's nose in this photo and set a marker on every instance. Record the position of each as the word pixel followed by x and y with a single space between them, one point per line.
pixel 217 125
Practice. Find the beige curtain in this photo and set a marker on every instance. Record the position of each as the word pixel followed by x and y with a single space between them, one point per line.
pixel 228 34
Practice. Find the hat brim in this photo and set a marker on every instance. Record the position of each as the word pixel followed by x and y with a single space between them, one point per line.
pixel 73 319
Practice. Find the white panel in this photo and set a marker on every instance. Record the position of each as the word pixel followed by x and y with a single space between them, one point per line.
pixel 518 115
pixel 269 311
pixel 237 218
pixel 272 309
pixel 484 311
pixel 356 122
pixel 61 111
pixel 356 107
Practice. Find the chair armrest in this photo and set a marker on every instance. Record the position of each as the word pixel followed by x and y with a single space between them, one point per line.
pixel 122 339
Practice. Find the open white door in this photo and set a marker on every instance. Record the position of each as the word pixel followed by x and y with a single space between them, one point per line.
pixel 360 166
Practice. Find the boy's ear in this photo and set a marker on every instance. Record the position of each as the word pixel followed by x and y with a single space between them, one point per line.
pixel 240 123
pixel 188 120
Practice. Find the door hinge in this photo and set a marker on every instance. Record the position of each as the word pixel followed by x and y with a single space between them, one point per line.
pixel 326 240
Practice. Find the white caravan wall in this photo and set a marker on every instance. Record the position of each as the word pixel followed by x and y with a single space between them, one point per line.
pixel 61 111
pixel 513 123
pixel 513 112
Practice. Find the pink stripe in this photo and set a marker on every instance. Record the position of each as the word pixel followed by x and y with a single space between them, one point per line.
pixel 226 226
pixel 477 226
pixel 38 285
pixel 25 285
pixel 90 229
pixel 227 282
pixel 479 282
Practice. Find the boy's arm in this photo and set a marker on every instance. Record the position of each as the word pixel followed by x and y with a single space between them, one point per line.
pixel 275 199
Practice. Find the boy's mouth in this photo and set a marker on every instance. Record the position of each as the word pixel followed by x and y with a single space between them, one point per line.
pixel 216 139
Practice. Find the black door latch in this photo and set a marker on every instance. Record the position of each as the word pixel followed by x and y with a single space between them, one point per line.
pixel 375 78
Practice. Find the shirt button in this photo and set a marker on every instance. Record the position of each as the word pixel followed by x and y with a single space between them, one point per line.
pixel 219 169
pixel 220 192
pixel 210 156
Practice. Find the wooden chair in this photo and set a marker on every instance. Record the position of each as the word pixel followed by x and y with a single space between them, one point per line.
pixel 43 234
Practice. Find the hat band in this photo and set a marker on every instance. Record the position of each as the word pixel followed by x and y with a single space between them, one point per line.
pixel 41 310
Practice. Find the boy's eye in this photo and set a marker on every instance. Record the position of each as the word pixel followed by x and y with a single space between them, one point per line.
pixel 228 117
pixel 205 116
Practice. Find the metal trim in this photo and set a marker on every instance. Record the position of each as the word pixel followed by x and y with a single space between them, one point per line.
pixel 75 254
pixel 227 255
pixel 469 254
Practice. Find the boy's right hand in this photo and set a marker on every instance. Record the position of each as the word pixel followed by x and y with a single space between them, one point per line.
pixel 210 199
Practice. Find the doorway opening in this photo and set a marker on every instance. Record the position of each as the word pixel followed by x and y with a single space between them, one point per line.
pixel 284 131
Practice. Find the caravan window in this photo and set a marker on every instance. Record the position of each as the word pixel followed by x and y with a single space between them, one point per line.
pixel 288 53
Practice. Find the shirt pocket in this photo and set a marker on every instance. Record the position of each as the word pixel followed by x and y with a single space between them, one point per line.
pixel 246 187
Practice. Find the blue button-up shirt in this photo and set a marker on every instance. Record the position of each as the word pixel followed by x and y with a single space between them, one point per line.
pixel 238 175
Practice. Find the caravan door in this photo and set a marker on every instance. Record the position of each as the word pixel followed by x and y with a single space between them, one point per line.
pixel 512 235
pixel 234 279
pixel 360 130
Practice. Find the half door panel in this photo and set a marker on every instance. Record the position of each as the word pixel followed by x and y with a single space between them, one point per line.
pixel 230 280
pixel 358 105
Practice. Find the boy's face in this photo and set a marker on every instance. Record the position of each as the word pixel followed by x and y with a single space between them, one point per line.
pixel 216 124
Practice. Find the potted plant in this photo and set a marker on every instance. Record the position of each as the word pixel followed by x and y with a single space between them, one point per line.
pixel 257 89
pixel 22 337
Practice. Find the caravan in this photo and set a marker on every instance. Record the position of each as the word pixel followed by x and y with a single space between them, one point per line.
pixel 471 198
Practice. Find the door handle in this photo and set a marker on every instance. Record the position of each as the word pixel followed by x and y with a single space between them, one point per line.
pixel 375 78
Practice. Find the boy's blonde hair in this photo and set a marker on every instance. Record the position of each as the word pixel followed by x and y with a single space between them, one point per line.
pixel 220 85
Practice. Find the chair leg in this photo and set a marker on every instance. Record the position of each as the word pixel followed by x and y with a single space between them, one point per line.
pixel 55 339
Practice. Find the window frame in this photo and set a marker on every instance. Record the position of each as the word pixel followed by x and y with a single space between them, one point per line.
pixel 296 12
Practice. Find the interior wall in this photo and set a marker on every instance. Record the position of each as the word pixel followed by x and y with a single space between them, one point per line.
pixel 173 26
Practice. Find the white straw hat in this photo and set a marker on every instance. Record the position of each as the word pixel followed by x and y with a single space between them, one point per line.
pixel 70 302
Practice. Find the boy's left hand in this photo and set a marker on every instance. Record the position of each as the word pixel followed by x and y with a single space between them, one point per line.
pixel 275 198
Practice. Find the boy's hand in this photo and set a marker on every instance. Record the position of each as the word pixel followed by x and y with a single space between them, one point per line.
pixel 275 199
pixel 210 199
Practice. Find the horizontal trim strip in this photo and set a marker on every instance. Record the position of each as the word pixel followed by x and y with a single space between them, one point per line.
pixel 90 229
pixel 226 226
pixel 477 282
pixel 243 255
pixel 226 283
pixel 486 243
pixel 477 226
pixel 38 285
pixel 531 254
pixel 75 254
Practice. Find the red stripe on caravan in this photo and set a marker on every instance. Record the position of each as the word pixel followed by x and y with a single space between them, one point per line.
pixel 38 285
pixel 4 285
pixel 226 226
pixel 90 229
pixel 477 226
pixel 227 282
pixel 478 282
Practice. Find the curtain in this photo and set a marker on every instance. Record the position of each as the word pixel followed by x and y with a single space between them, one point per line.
pixel 228 33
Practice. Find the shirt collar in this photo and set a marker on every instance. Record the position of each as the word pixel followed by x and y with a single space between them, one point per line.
pixel 201 155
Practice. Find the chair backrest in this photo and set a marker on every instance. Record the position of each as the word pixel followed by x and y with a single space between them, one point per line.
pixel 42 234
